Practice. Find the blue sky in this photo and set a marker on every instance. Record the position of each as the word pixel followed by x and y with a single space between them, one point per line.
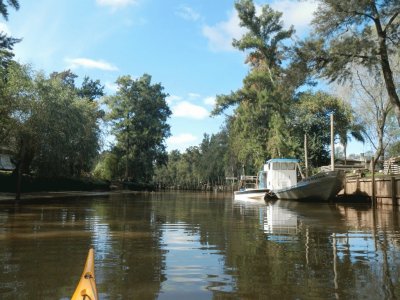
pixel 183 44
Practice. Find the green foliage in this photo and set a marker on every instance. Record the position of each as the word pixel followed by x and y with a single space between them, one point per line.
pixel 311 115
pixel 16 88
pixel 107 166
pixel 394 150
pixel 6 42
pixel 138 115
pixel 258 128
pixel 264 38
pixel 52 131
pixel 38 184
pixel 66 126
pixel 91 89
pixel 349 33
pixel 361 44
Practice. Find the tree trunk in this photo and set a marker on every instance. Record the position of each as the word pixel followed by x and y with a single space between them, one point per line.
pixel 20 167
pixel 19 180
pixel 386 70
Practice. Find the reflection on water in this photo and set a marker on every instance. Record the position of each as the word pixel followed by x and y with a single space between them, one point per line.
pixel 193 267
pixel 199 246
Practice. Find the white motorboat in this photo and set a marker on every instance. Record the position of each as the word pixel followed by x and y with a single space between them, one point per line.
pixel 251 193
pixel 250 189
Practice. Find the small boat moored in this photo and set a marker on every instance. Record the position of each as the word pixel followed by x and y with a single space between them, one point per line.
pixel 86 289
pixel 250 189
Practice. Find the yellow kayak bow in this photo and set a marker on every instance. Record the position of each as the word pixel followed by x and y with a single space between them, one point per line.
pixel 86 289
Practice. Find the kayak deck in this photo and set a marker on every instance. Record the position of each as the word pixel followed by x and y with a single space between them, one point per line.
pixel 86 288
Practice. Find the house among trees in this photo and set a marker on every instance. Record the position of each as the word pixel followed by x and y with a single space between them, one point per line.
pixel 392 165
pixel 6 163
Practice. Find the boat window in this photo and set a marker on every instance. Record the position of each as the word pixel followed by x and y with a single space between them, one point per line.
pixel 284 166
pixel 276 166
pixel 291 166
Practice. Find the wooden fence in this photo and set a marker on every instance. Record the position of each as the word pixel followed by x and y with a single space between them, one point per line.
pixel 387 189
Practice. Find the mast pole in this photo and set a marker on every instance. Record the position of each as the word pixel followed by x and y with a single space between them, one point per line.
pixel 306 154
pixel 332 146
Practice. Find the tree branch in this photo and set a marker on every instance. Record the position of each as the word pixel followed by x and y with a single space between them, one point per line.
pixel 391 21
pixel 351 55
pixel 365 89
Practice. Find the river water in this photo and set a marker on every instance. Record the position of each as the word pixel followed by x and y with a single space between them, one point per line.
pixel 199 246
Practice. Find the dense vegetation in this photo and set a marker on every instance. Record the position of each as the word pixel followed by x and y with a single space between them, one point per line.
pixel 53 125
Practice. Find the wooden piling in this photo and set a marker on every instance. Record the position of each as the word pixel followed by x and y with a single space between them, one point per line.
pixel 373 192
pixel 393 185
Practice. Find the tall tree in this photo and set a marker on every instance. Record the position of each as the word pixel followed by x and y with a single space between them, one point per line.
pixel 16 109
pixel 66 126
pixel 264 42
pixel 257 129
pixel 371 103
pixel 138 114
pixel 355 32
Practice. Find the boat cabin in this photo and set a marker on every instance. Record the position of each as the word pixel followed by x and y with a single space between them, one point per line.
pixel 279 173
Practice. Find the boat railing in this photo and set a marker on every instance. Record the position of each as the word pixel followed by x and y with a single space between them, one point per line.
pixel 248 178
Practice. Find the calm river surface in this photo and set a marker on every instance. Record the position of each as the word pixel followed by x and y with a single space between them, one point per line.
pixel 199 246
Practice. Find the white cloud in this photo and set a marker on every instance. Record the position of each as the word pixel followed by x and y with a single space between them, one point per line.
pixel 116 4
pixel 90 64
pixel 297 13
pixel 173 98
pixel 188 13
pixel 194 95
pixel 220 36
pixel 210 100
pixel 4 28
pixel 111 86
pixel 181 141
pixel 188 110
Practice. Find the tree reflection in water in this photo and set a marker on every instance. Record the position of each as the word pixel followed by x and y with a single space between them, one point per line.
pixel 201 246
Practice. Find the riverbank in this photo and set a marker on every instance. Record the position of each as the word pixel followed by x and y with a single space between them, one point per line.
pixel 32 184
pixel 10 197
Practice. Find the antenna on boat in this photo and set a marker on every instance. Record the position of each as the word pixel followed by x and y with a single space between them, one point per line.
pixel 305 155
pixel 332 146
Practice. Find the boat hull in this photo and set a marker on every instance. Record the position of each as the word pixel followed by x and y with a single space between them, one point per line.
pixel 86 288
pixel 322 186
pixel 251 194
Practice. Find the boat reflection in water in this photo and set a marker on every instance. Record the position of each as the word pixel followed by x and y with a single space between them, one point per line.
pixel 280 223
pixel 352 250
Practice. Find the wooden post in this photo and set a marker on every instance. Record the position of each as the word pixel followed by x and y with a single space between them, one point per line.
pixel 373 183
pixel 19 180
pixel 332 146
pixel 394 191
pixel 306 154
